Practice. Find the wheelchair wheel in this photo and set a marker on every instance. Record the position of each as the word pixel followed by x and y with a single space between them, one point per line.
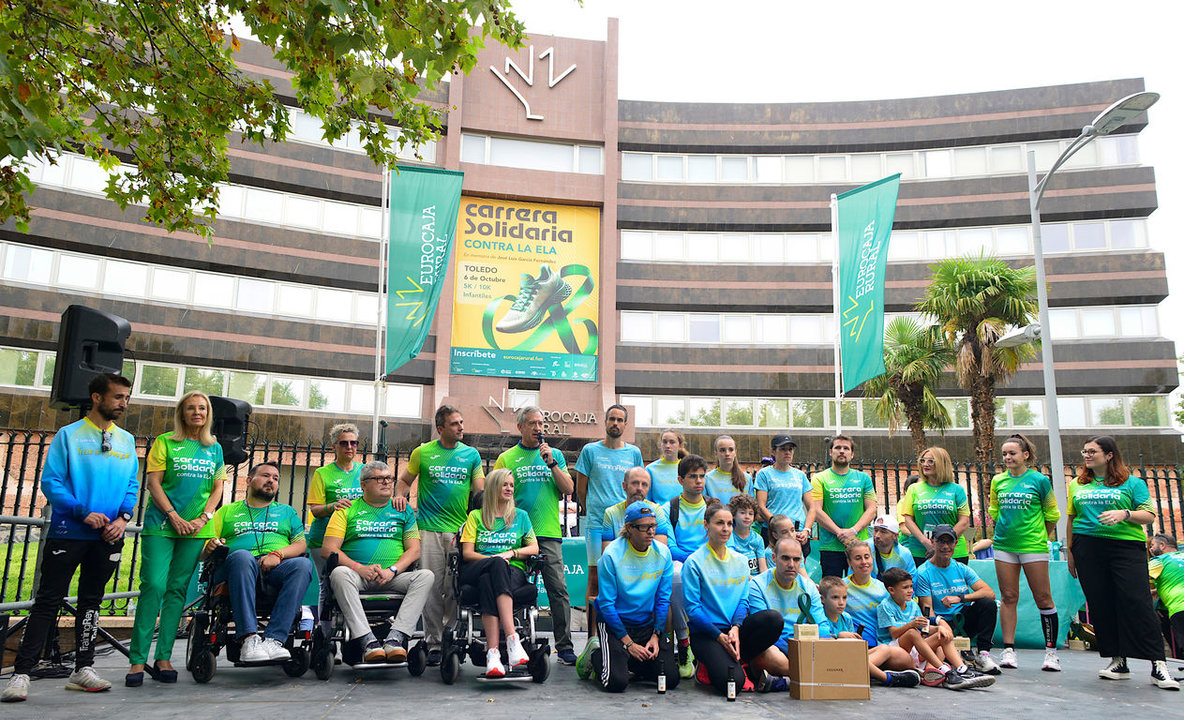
pixel 417 660
pixel 198 638
pixel 322 656
pixel 540 667
pixel 204 667
pixel 450 668
pixel 298 665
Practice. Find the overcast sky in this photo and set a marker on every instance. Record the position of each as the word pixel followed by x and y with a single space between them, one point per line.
pixel 749 51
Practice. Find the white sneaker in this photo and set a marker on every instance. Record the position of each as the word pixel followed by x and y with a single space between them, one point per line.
pixel 987 664
pixel 17 690
pixel 1052 663
pixel 517 653
pixel 87 680
pixel 493 664
pixel 1116 670
pixel 275 649
pixel 1162 677
pixel 252 650
pixel 1008 659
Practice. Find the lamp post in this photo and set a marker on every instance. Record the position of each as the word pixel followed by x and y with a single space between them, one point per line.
pixel 1110 119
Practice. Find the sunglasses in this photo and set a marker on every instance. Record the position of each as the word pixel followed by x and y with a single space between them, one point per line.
pixel 347 443
pixel 105 446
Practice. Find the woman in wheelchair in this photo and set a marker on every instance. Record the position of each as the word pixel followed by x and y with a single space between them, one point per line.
pixel 495 542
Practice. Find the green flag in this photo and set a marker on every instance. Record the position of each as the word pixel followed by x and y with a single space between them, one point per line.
pixel 865 224
pixel 424 206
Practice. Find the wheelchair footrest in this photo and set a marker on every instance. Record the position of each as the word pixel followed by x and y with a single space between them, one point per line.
pixel 518 673
pixel 259 663
pixel 367 666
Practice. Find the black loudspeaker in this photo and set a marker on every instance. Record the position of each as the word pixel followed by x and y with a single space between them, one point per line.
pixel 230 427
pixel 90 342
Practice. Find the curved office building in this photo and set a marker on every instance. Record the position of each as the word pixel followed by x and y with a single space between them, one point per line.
pixel 685 248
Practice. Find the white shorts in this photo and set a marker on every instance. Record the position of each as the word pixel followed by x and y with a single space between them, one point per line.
pixel 916 656
pixel 1019 558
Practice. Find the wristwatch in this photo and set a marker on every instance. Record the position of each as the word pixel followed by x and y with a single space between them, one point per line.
pixel 206 516
pixel 553 463
pixel 125 516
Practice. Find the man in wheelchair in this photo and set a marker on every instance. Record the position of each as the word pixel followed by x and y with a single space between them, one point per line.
pixel 376 545
pixel 266 547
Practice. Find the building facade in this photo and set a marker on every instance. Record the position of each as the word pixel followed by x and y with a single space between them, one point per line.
pixel 710 284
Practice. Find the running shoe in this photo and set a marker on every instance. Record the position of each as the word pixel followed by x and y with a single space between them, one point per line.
pixel 1008 659
pixel 536 296
pixel 1162 677
pixel 275 649
pixel 566 657
pixel 1116 670
pixel 87 680
pixel 252 650
pixel 1052 663
pixel 584 661
pixel 902 678
pixel 987 664
pixel 493 664
pixel 686 660
pixel 933 677
pixel 17 690
pixel 516 652
pixel 953 681
pixel 972 678
pixel 701 676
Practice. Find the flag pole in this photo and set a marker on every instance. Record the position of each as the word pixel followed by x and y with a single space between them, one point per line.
pixel 379 324
pixel 834 281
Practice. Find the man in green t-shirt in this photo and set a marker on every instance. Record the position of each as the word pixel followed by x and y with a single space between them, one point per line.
pixel 439 479
pixel 845 504
pixel 1167 586
pixel 376 545
pixel 540 479
pixel 266 541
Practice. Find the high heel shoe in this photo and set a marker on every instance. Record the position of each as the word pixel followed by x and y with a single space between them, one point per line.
pixel 164 676
pixel 135 679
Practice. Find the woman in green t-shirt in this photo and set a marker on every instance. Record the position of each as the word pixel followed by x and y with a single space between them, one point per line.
pixel 184 482
pixel 1108 507
pixel 936 501
pixel 494 543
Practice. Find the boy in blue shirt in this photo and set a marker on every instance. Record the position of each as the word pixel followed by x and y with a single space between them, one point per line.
pixel 900 623
pixel 745 540
pixel 900 666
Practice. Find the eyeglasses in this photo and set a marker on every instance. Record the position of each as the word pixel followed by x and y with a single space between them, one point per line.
pixel 646 528
pixel 384 479
pixel 1087 453
pixel 698 476
pixel 105 446
pixel 347 443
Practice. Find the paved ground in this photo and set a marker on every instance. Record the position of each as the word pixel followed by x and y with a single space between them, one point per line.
pixel 267 693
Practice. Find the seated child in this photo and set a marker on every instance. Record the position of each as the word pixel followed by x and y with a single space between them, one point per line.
pixel 900 623
pixel 745 540
pixel 890 665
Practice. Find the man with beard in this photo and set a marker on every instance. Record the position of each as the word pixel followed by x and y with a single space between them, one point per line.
pixel 265 538
pixel 845 504
pixel 91 480
pixel 637 489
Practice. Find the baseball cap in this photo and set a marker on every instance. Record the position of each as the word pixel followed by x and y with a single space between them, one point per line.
pixel 782 439
pixel 888 523
pixel 637 511
pixel 943 531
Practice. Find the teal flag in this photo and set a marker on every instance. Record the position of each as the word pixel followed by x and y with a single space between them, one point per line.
pixel 865 224
pixel 424 203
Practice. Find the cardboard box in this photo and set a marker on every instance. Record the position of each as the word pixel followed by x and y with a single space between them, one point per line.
pixel 828 670
pixel 961 643
pixel 805 631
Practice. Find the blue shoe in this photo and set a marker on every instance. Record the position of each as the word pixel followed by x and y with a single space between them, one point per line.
pixel 567 657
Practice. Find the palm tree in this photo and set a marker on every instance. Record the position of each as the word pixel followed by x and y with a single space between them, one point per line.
pixel 914 358
pixel 975 301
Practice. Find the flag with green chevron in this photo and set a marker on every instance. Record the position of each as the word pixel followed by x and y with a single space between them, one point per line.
pixel 865 217
pixel 424 206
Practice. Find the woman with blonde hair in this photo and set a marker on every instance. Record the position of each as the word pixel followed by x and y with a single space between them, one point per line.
pixel 184 479
pixel 935 500
pixel 494 545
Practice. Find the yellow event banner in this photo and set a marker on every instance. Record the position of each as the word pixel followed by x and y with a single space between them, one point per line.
pixel 527 290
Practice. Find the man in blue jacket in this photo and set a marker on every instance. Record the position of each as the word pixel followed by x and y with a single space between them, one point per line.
pixel 91 481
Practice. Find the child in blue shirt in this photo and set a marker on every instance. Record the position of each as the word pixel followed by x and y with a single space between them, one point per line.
pixel 745 540
pixel 890 665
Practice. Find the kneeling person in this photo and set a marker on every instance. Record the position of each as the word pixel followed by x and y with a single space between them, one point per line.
pixel 783 588
pixel 375 546
pixel 266 543
pixel 636 575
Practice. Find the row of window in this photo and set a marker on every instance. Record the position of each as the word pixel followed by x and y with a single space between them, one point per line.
pixel 202 290
pixel 235 202
pixel 813 413
pixel 532 154
pixel 905 245
pixel 819 329
pixel 306 128
pixel 159 381
pixel 1009 159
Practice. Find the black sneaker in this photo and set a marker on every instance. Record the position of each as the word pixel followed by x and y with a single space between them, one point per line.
pixel 954 681
pixel 974 679
pixel 1116 670
pixel 435 655
pixel 1162 677
pixel 566 657
pixel 902 678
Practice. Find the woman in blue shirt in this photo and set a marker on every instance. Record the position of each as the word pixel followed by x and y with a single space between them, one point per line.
pixel 724 636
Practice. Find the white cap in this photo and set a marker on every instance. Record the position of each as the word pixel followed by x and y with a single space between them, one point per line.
pixel 888 523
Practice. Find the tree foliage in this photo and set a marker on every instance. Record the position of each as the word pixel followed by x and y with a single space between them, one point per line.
pixel 915 357
pixel 975 301
pixel 156 84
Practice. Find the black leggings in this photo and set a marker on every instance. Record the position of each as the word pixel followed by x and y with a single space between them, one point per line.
pixel 978 619
pixel 612 663
pixel 1113 575
pixel 492 577
pixel 758 632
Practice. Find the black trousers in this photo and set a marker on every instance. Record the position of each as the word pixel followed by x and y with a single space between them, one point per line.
pixel 1113 575
pixel 492 577
pixel 757 634
pixel 832 562
pixel 60 560
pixel 612 663
pixel 978 619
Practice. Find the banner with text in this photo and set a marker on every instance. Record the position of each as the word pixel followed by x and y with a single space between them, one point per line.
pixel 527 290
pixel 865 225
pixel 424 203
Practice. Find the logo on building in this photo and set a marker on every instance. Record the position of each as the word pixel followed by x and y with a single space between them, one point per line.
pixel 528 76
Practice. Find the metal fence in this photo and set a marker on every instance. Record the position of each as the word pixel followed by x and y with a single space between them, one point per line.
pixel 22 455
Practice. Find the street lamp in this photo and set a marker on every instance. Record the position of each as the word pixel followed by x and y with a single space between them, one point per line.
pixel 1110 119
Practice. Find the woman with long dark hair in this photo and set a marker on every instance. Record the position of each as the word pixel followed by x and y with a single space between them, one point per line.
pixel 728 478
pixel 1108 509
